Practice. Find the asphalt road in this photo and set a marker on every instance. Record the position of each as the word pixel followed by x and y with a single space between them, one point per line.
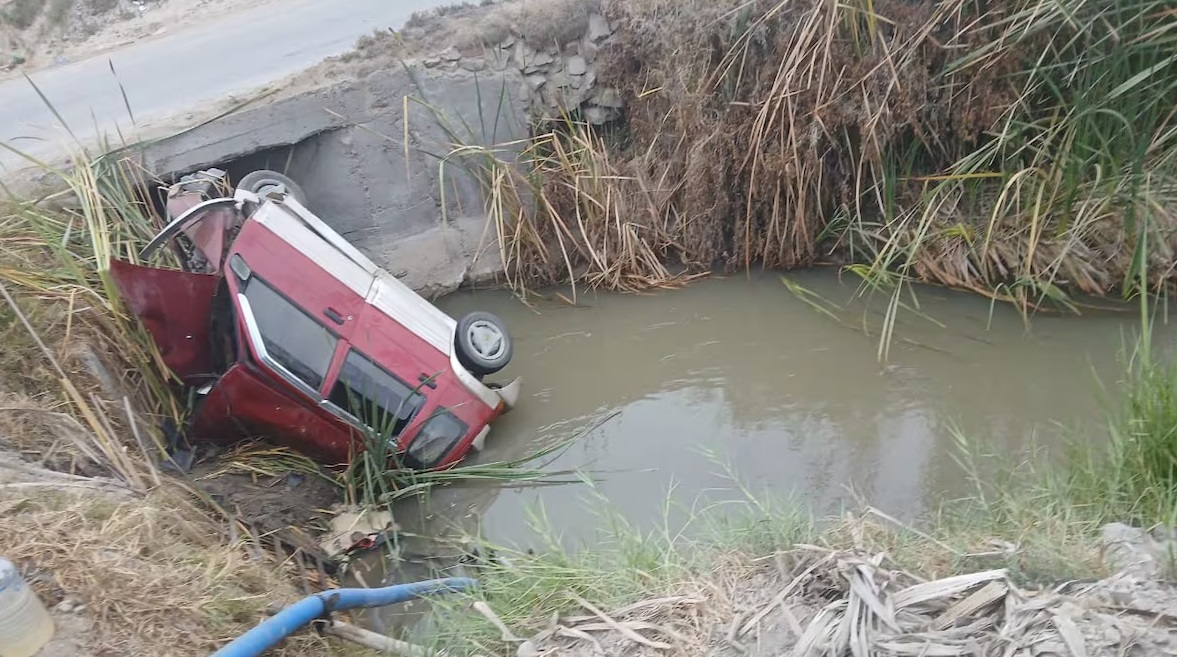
pixel 214 57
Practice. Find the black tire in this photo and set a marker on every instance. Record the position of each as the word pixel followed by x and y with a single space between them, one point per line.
pixel 478 347
pixel 258 181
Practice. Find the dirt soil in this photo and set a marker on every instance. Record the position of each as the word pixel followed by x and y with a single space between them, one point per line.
pixel 124 573
pixel 292 507
pixel 71 634
pixel 36 34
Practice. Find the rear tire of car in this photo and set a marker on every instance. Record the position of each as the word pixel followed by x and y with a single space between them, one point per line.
pixel 262 180
pixel 483 344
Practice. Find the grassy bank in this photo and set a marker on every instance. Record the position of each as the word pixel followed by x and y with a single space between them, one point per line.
pixel 156 573
pixel 719 586
pixel 1019 149
pixel 89 513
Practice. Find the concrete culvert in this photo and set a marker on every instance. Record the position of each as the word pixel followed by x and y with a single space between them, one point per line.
pixel 263 181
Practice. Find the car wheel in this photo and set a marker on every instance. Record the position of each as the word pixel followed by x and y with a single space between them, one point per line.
pixel 262 181
pixel 483 344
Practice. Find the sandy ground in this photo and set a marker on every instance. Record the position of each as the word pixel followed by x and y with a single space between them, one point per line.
pixel 88 31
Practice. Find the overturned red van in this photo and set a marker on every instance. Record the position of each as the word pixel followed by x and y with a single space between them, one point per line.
pixel 283 329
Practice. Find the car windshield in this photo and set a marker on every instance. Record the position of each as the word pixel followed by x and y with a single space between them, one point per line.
pixel 374 396
pixel 435 439
pixel 292 338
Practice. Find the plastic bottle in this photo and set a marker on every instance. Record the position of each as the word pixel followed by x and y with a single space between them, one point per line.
pixel 25 624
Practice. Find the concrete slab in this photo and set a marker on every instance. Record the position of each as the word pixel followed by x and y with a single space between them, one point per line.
pixel 374 158
pixel 440 260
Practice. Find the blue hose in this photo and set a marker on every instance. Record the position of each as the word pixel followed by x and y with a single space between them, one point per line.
pixel 296 616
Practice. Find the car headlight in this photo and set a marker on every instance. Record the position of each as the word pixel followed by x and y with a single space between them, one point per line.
pixel 436 438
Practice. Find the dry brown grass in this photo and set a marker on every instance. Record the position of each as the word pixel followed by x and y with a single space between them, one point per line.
pixel 787 117
pixel 735 146
pixel 156 574
pixel 72 347
pixel 930 141
pixel 84 393
pixel 570 213
pixel 37 418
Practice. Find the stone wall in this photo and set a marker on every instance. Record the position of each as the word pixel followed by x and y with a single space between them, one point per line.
pixel 557 79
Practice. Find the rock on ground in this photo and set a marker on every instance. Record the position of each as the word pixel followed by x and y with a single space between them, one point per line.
pixel 71 635
pixel 1140 553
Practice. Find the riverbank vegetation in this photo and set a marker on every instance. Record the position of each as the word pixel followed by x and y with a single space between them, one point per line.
pixel 763 577
pixel 1018 149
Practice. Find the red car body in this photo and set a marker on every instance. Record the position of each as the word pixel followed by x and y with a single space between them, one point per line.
pixel 298 337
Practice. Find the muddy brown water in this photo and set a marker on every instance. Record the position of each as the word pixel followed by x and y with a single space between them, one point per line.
pixel 737 374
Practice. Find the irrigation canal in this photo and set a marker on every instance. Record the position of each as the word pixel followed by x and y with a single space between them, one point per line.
pixel 739 376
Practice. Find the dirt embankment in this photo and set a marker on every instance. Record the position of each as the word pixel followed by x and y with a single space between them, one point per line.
pixel 797 134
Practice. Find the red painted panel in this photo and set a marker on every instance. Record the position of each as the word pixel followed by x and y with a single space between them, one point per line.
pixel 176 309
pixel 403 353
pixel 298 277
pixel 213 420
pixel 250 401
pixel 373 333
pixel 388 342
pixel 244 403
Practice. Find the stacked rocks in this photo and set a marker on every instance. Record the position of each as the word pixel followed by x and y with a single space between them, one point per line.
pixel 556 79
